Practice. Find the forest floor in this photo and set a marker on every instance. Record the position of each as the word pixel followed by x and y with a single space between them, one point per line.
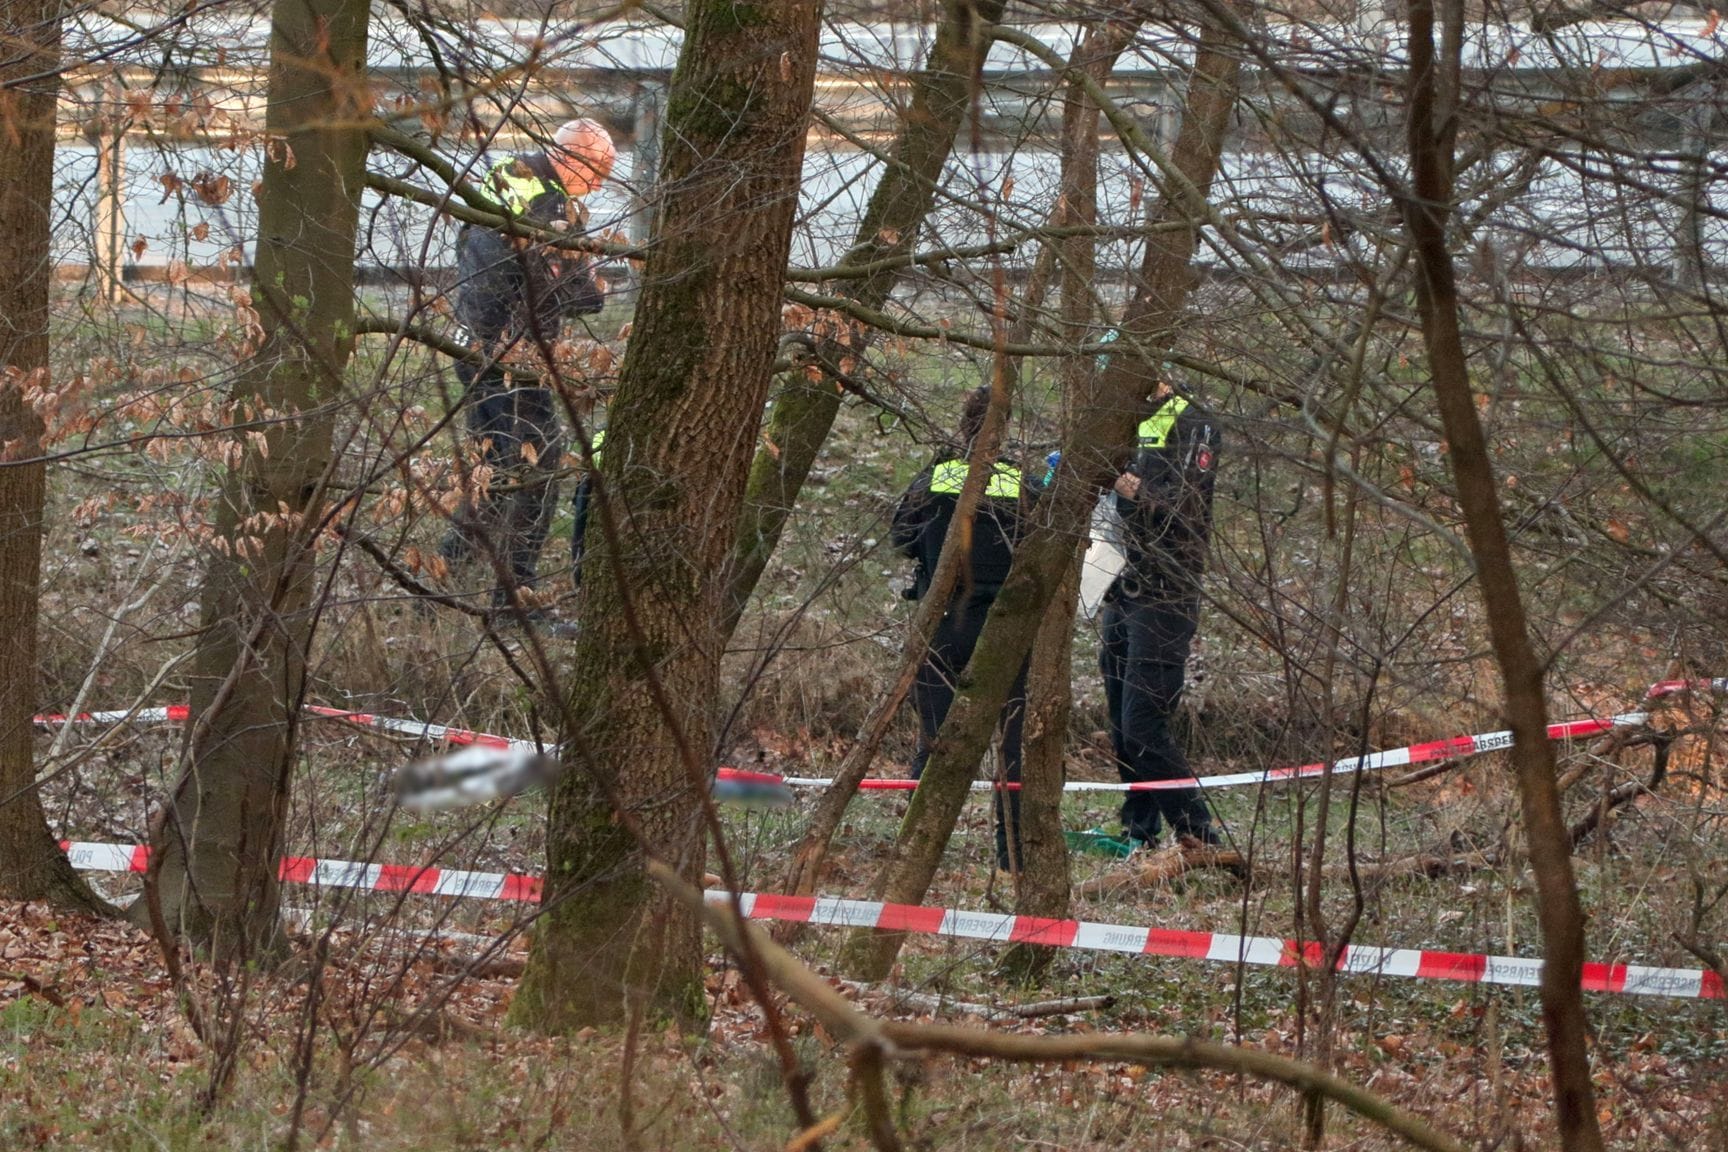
pixel 384 1031
pixel 403 1045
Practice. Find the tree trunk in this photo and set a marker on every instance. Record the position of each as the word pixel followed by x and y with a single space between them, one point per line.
pixel 32 867
pixel 804 413
pixel 1095 447
pixel 1426 208
pixel 646 670
pixel 1044 883
pixel 811 855
pixel 1050 681
pixel 217 848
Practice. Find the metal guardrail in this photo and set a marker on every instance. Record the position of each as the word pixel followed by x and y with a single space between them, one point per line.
pixel 551 69
pixel 546 72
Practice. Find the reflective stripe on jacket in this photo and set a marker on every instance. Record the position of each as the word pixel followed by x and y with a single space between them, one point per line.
pixel 1155 429
pixel 502 274
pixel 1166 526
pixel 922 517
pixel 513 186
pixel 950 475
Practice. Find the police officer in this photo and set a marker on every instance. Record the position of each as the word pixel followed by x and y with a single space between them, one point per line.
pixel 1151 612
pixel 513 293
pixel 920 525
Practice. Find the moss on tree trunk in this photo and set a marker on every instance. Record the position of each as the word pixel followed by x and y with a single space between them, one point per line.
pixel 1044 885
pixel 683 426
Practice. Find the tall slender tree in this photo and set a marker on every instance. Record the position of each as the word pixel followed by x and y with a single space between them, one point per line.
pixel 1044 882
pixel 1095 445
pixel 32 866
pixel 1426 205
pixel 683 426
pixel 214 878
pixel 804 413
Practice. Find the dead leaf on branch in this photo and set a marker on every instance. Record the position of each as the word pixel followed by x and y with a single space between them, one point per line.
pixel 214 189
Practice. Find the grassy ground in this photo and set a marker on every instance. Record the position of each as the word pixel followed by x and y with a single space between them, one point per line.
pixel 95 1053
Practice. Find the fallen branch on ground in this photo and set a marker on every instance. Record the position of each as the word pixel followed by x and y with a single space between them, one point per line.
pixel 1606 747
pixel 1624 794
pixel 1421 774
pixel 1062 1006
pixel 1598 815
pixel 436 1027
pixel 1430 866
pixel 35 986
pixel 935 1002
pixel 1163 866
pixel 872 1040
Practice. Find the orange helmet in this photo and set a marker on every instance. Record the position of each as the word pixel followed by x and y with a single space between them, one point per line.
pixel 582 154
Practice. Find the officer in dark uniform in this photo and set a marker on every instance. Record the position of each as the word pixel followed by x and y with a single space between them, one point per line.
pixel 920 525
pixel 513 293
pixel 1153 608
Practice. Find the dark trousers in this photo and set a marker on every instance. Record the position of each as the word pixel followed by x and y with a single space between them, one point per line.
pixel 1143 656
pixel 523 441
pixel 519 427
pixel 933 694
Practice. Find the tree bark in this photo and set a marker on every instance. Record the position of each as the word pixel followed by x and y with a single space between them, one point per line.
pixel 804 413
pixel 1044 883
pixel 32 867
pixel 1044 891
pixel 1050 856
pixel 811 856
pixel 215 870
pixel 1426 208
pixel 1095 448
pixel 640 710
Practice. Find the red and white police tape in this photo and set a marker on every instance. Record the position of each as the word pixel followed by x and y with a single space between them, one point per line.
pixel 1434 750
pixel 989 927
pixel 177 714
pixel 425 881
pixel 1662 688
pixel 1454 747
